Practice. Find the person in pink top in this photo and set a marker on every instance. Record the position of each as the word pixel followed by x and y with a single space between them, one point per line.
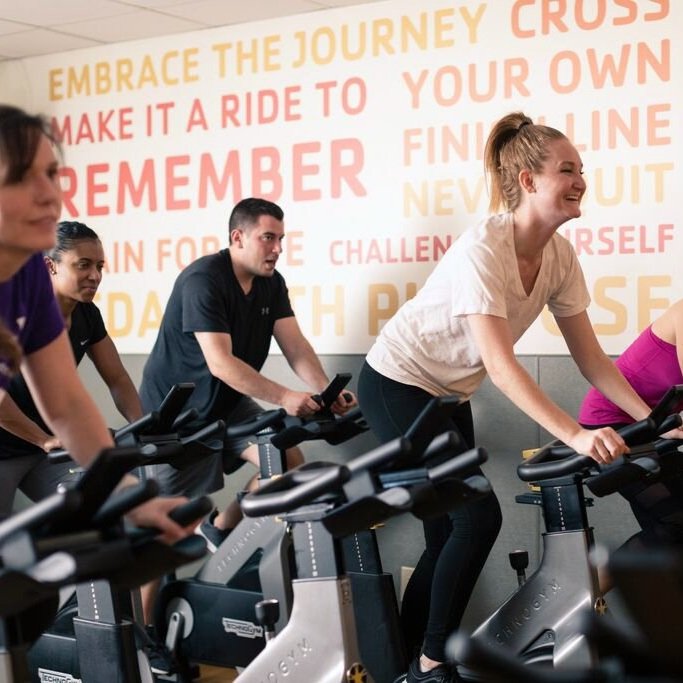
pixel 651 365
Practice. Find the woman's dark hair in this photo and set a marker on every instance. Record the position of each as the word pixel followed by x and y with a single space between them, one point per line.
pixel 69 233
pixel 247 212
pixel 515 143
pixel 20 135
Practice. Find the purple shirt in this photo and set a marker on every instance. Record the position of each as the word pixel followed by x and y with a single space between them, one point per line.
pixel 29 310
pixel 651 367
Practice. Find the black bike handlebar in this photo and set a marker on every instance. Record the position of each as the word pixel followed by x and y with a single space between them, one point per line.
pixel 270 418
pixel 382 456
pixel 460 465
pixel 138 426
pixel 558 460
pixel 286 493
pixel 660 420
pixel 57 506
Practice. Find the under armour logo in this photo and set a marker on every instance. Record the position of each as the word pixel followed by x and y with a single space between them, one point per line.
pixel 265 310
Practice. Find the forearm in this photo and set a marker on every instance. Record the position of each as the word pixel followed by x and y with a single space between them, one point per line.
pixel 308 368
pixel 63 402
pixel 126 398
pixel 80 428
pixel 15 421
pixel 244 379
pixel 524 392
pixel 607 379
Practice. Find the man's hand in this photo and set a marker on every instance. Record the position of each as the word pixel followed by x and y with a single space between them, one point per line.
pixel 344 402
pixel 299 404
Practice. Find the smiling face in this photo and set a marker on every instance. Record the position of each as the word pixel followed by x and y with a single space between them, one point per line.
pixel 78 273
pixel 255 250
pixel 558 188
pixel 30 206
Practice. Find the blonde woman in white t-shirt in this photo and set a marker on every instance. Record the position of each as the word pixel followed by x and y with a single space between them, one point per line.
pixel 485 292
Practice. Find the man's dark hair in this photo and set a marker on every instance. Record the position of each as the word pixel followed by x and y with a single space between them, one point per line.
pixel 247 212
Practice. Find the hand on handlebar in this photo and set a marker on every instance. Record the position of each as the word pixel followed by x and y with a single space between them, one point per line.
pixel 604 445
pixel 154 513
pixel 674 434
pixel 51 443
pixel 344 402
pixel 299 404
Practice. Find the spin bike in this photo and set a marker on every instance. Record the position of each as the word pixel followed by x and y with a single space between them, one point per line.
pixel 73 537
pixel 647 650
pixel 323 503
pixel 541 623
pixel 102 618
pixel 209 618
pixel 226 591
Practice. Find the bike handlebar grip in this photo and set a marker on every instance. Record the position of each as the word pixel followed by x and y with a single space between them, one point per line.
pixel 292 435
pixel 531 471
pixel 459 464
pixel 58 455
pixel 52 508
pixel 284 494
pixel 351 415
pixel 668 404
pixel 163 452
pixel 124 500
pixel 643 430
pixel 184 417
pixel 384 455
pixel 191 511
pixel 206 432
pixel 138 426
pixel 671 422
pixel 268 419
pixel 666 446
pixel 183 514
pixel 448 441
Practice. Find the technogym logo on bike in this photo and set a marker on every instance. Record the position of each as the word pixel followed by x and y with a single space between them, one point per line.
pixel 47 676
pixel 242 629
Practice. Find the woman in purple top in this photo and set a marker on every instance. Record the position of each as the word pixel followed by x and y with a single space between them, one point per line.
pixel 31 326
pixel 651 364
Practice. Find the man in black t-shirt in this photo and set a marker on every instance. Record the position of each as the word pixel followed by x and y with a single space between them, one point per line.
pixel 222 313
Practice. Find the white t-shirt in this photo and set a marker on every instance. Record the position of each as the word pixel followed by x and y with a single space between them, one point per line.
pixel 429 343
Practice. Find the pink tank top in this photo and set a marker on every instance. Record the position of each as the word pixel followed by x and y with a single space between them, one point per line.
pixel 651 367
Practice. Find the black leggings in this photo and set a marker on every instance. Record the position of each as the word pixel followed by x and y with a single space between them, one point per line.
pixel 456 545
pixel 657 506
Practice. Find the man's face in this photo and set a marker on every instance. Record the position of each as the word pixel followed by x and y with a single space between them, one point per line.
pixel 257 248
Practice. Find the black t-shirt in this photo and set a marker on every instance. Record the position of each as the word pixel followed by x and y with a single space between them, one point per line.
pixel 87 328
pixel 207 297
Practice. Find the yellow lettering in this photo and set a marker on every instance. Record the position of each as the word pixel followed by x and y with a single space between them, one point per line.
pixel 646 302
